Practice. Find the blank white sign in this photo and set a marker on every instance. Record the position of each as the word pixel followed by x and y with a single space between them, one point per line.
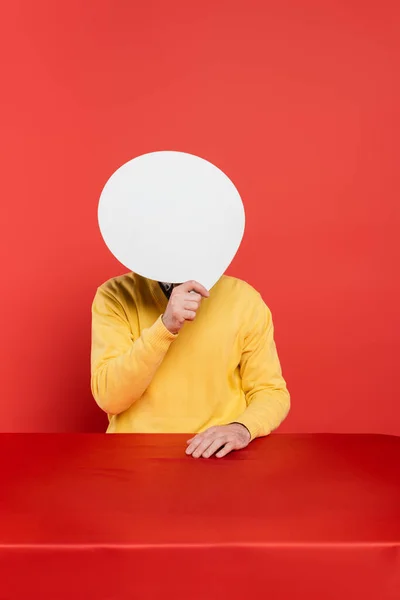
pixel 172 216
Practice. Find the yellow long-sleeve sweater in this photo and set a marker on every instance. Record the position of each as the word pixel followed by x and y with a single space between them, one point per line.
pixel 220 368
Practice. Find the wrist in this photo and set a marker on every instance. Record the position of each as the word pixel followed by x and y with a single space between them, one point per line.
pixel 242 427
pixel 167 326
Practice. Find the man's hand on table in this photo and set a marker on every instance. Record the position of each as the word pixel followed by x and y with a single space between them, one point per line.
pixel 219 440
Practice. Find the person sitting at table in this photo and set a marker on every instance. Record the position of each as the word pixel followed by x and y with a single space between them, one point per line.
pixel 169 358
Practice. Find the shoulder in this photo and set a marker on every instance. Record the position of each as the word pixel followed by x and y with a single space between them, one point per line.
pixel 242 290
pixel 120 289
pixel 116 284
pixel 244 299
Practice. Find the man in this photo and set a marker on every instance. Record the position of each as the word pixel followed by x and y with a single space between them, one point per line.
pixel 181 359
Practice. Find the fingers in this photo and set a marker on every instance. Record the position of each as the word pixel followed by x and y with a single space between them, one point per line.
pixel 197 447
pixel 187 296
pixel 188 286
pixel 218 440
pixel 199 436
pixel 207 446
pixel 225 450
pixel 193 297
pixel 189 315
pixel 196 440
pixel 217 444
pixel 191 305
pixel 182 306
pixel 207 443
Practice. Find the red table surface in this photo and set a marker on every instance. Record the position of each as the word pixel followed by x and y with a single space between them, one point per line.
pixel 131 516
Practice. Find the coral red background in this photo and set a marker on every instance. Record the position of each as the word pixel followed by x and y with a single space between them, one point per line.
pixel 298 102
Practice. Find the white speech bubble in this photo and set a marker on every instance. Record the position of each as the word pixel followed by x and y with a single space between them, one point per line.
pixel 172 216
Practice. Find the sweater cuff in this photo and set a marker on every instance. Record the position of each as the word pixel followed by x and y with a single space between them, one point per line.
pixel 159 336
pixel 251 424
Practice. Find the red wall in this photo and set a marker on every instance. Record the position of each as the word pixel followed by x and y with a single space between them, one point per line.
pixel 298 102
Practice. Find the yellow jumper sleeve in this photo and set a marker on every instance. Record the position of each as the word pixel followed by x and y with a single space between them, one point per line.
pixel 122 367
pixel 267 397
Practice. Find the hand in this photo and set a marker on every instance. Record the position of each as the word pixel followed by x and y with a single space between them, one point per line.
pixel 183 305
pixel 221 439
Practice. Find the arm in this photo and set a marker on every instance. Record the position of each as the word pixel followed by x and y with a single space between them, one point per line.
pixel 267 397
pixel 122 367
